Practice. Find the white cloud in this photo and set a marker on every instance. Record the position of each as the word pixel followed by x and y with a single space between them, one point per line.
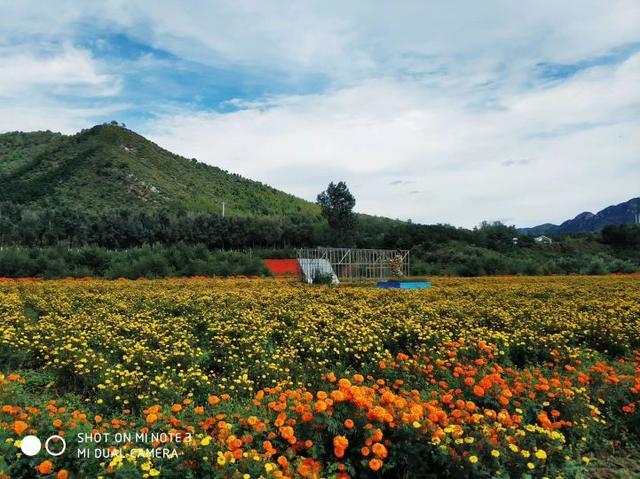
pixel 49 86
pixel 580 137
pixel 444 95
pixel 61 71
pixel 348 41
pixel 345 40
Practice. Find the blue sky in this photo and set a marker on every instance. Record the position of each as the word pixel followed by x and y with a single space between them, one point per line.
pixel 452 112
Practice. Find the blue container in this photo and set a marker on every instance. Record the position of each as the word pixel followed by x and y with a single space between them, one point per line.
pixel 401 285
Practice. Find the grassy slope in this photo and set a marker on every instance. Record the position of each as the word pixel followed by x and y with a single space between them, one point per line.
pixel 109 166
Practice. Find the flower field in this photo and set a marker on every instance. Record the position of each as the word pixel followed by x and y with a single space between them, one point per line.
pixel 199 378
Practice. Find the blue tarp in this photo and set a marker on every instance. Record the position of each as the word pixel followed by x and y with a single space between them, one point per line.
pixel 401 285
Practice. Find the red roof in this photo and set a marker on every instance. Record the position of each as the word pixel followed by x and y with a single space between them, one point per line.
pixel 283 267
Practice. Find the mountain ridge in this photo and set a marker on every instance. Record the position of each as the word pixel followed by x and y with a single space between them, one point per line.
pixel 588 222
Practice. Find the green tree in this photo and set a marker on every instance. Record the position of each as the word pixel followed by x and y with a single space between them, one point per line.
pixel 337 204
pixel 621 236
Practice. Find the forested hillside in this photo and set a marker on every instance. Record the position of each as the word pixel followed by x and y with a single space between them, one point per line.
pixel 108 202
pixel 109 166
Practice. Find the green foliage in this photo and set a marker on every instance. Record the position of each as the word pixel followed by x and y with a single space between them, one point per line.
pixel 456 258
pixel 336 204
pixel 148 261
pixel 322 278
pixel 622 236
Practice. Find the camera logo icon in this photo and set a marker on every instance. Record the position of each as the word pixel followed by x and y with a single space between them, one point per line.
pixel 31 445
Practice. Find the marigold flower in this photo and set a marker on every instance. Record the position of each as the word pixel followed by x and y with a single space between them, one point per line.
pixel 45 467
pixel 19 427
pixel 540 454
pixel 380 450
pixel 320 406
pixel 340 442
pixel 286 432
pixel 375 464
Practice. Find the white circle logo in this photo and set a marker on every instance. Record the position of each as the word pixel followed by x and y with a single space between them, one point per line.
pixel 61 439
pixel 30 445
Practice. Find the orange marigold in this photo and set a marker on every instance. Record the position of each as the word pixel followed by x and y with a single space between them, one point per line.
pixel 286 432
pixel 340 442
pixel 45 467
pixel 478 390
pixel 380 450
pixel 151 418
pixel 19 427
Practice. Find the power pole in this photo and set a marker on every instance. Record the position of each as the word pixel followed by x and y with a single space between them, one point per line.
pixel 223 209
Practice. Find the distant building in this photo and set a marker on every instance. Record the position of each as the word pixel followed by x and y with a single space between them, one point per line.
pixel 542 239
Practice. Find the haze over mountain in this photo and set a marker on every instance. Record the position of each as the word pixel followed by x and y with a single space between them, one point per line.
pixel 109 166
pixel 587 222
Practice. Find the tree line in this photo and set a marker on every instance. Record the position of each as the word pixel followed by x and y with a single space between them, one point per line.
pixel 129 228
pixel 129 242
pixel 148 261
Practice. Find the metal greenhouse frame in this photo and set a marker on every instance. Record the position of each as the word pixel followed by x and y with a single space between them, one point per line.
pixel 351 264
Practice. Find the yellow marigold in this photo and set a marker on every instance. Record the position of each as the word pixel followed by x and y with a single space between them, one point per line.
pixel 540 454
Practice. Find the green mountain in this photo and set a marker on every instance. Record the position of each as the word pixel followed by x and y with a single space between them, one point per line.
pixel 587 222
pixel 109 166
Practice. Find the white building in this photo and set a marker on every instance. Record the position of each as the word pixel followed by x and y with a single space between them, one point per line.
pixel 542 239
